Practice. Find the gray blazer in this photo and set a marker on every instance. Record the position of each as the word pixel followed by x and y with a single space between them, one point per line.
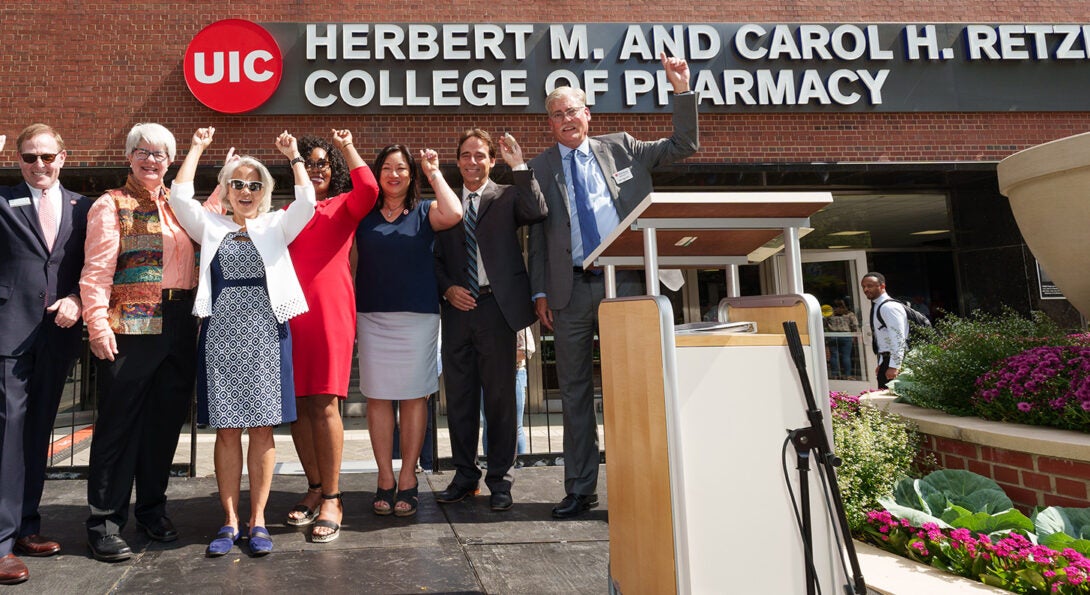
pixel 550 241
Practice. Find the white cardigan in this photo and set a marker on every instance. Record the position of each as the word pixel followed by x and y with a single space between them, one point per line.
pixel 270 232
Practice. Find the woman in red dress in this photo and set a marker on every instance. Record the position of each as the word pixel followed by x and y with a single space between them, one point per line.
pixel 322 338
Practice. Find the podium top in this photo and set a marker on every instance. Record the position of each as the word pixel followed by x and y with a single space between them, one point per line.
pixel 697 229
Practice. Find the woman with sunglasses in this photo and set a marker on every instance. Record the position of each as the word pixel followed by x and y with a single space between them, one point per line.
pixel 248 291
pixel 137 288
pixel 397 314
pixel 322 338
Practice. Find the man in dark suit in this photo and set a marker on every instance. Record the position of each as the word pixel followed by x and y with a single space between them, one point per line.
pixel 611 175
pixel 486 294
pixel 42 228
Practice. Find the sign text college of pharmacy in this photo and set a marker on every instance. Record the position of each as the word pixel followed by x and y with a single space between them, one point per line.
pixel 342 68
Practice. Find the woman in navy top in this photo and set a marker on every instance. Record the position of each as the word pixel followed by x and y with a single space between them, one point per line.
pixel 397 313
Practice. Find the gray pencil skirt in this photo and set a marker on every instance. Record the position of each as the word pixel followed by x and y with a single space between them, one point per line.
pixel 398 354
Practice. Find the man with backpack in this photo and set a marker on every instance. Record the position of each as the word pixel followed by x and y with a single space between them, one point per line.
pixel 889 327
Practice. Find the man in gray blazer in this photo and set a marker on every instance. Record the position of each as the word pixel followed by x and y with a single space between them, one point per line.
pixel 611 175
pixel 486 300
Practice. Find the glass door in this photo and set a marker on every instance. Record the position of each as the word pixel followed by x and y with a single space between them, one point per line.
pixel 832 276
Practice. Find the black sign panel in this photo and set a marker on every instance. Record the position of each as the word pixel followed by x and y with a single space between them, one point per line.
pixel 346 68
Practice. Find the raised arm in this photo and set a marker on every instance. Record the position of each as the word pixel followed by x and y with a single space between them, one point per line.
pixel 364 187
pixel 202 138
pixel 214 202
pixel 302 208
pixel 447 211
pixel 189 211
pixel 530 204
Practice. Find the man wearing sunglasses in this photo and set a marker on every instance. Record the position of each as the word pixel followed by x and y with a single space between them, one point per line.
pixel 42 230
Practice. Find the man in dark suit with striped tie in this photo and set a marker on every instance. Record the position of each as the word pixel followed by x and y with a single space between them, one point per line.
pixel 42 229
pixel 486 300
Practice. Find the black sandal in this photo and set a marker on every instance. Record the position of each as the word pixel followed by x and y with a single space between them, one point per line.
pixel 384 495
pixel 309 514
pixel 409 497
pixel 336 527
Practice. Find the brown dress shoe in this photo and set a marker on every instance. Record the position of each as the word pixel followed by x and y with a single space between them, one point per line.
pixel 36 546
pixel 12 570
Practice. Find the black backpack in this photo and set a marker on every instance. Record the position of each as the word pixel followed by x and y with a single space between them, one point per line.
pixel 915 317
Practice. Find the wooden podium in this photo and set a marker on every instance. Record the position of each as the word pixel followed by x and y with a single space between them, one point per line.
pixel 695 423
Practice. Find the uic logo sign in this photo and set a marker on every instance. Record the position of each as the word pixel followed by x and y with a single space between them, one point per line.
pixel 233 66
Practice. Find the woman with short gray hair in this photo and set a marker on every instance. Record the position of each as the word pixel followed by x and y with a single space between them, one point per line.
pixel 247 293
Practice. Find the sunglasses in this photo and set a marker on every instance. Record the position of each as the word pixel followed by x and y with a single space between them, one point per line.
pixel 240 184
pixel 45 157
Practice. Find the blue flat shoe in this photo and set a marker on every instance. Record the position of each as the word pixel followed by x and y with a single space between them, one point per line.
pixel 260 541
pixel 224 541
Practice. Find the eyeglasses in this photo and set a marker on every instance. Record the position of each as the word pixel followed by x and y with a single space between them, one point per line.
pixel 240 184
pixel 45 157
pixel 145 155
pixel 320 164
pixel 571 112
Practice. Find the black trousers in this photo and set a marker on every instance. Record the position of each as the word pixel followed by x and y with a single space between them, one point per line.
pixel 144 397
pixel 479 353
pixel 30 392
pixel 883 365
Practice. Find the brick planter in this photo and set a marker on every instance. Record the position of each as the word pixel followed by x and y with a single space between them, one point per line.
pixel 1035 466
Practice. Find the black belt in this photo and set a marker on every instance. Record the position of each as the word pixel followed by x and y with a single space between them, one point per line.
pixel 484 290
pixel 595 272
pixel 177 295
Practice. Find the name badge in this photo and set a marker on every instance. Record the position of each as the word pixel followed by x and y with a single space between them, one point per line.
pixel 19 202
pixel 623 176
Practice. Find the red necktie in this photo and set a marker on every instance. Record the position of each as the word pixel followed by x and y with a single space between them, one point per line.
pixel 47 216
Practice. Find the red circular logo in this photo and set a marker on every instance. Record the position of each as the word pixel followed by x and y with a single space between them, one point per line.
pixel 233 66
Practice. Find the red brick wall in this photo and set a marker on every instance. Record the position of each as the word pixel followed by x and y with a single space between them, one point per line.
pixel 1029 480
pixel 93 69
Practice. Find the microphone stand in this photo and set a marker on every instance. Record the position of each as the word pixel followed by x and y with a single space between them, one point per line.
pixel 814 438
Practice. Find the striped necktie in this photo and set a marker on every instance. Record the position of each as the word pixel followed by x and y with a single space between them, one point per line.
pixel 47 216
pixel 470 224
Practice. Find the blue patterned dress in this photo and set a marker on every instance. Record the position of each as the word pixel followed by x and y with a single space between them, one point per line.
pixel 245 377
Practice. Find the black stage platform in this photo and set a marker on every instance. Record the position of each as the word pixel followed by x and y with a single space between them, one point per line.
pixel 454 548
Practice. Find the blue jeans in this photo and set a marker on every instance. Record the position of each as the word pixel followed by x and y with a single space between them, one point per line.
pixel 840 358
pixel 520 407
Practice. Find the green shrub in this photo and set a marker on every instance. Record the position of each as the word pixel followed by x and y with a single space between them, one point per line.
pixel 942 367
pixel 877 450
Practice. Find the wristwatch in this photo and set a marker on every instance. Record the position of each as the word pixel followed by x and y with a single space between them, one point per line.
pixel 298 159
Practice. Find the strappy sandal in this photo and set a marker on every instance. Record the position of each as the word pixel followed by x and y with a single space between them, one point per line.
pixel 224 541
pixel 384 495
pixel 336 527
pixel 260 541
pixel 409 497
pixel 309 514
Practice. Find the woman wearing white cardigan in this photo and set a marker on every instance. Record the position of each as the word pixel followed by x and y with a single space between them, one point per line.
pixel 247 292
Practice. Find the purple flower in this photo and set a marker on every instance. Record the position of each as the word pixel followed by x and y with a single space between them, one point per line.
pixel 1025 407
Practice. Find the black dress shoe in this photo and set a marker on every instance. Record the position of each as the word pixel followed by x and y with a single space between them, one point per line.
pixel 455 493
pixel 109 548
pixel 501 501
pixel 160 529
pixel 574 505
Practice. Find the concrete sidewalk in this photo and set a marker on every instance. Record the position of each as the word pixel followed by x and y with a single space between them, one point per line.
pixel 457 548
